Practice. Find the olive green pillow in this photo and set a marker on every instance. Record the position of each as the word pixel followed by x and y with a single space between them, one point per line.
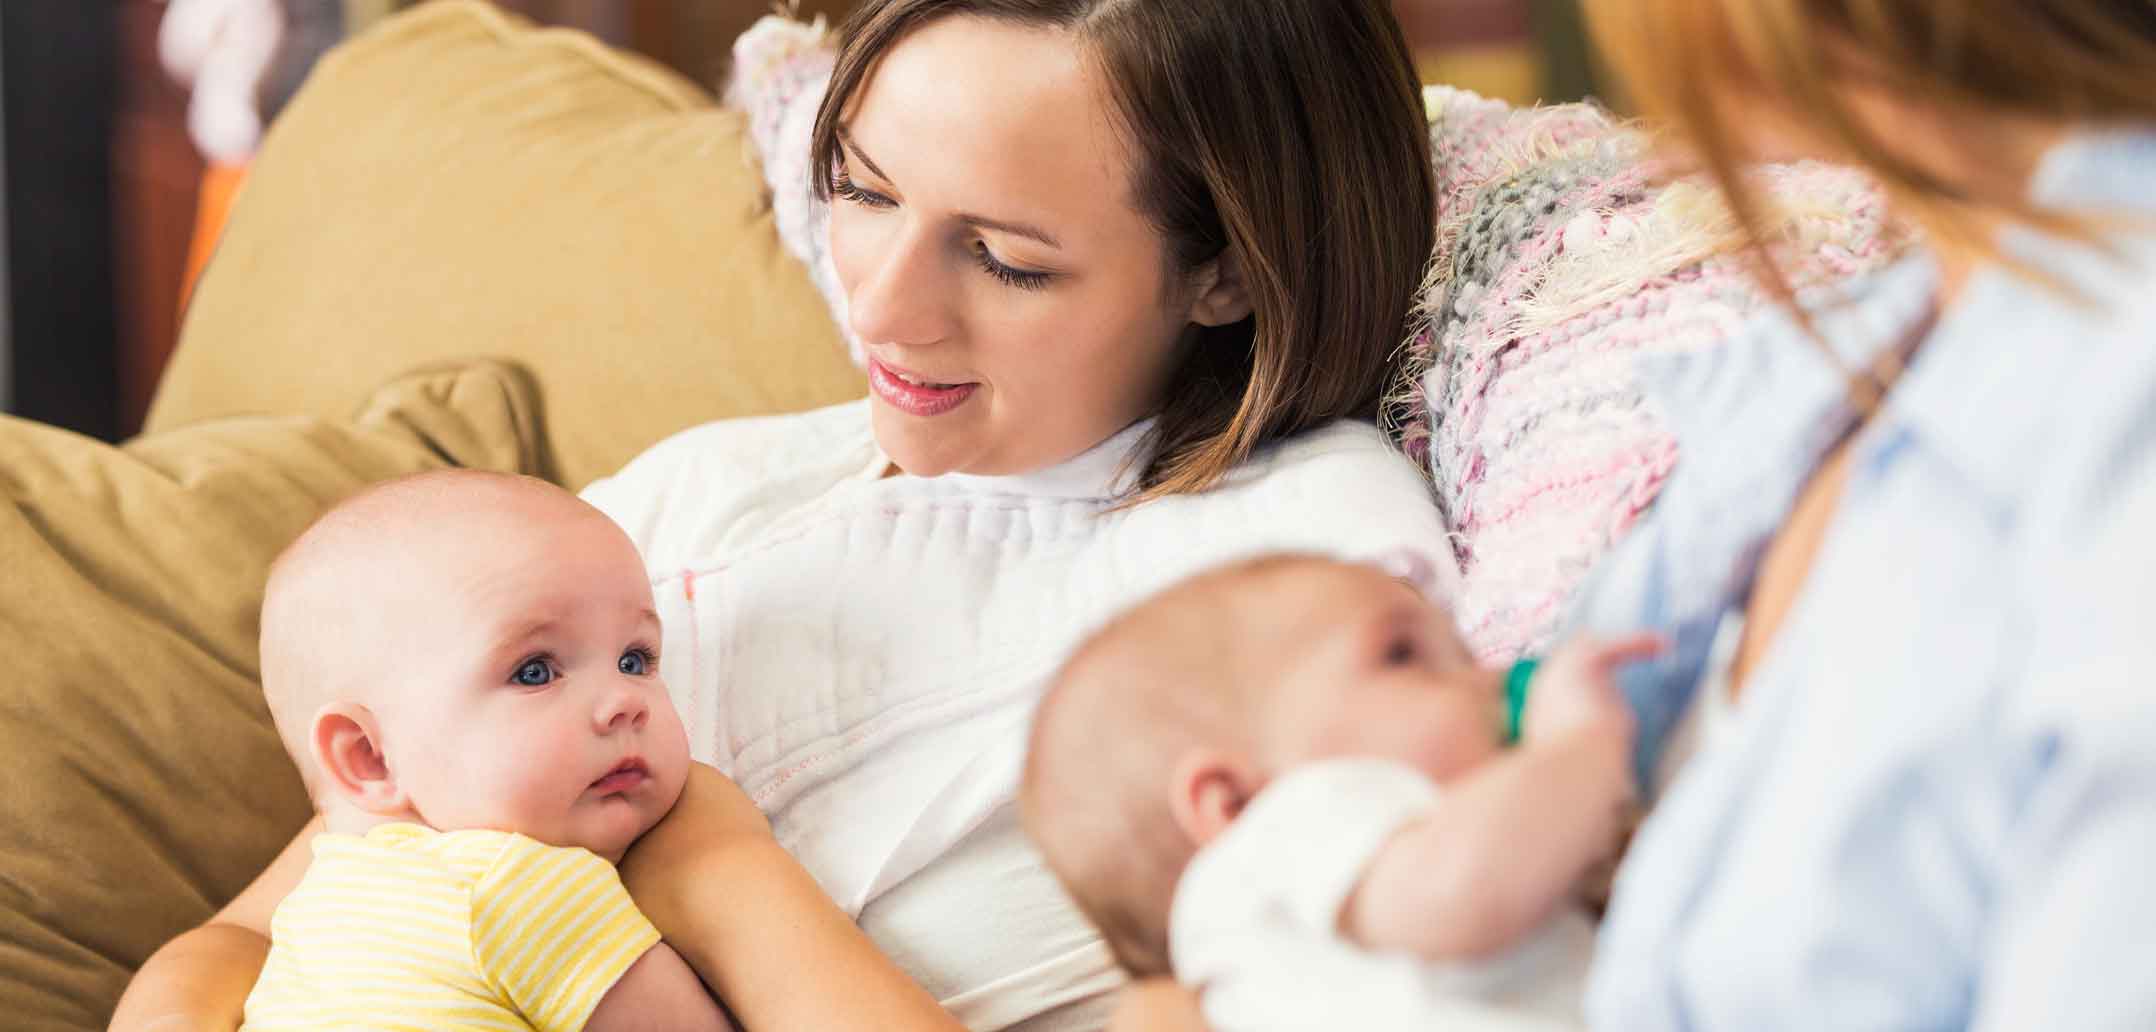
pixel 456 182
pixel 144 784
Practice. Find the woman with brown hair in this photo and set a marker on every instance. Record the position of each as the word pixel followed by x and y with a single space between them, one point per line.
pixel 1908 554
pixel 1125 276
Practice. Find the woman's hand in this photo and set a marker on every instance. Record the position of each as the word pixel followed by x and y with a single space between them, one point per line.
pixel 760 931
pixel 1157 1005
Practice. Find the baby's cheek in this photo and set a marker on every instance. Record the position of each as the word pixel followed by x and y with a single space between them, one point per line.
pixel 539 772
pixel 671 749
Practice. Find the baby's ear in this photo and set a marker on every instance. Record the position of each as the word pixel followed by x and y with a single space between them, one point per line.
pixel 347 745
pixel 1208 792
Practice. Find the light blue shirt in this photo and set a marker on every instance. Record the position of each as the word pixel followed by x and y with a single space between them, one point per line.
pixel 1934 806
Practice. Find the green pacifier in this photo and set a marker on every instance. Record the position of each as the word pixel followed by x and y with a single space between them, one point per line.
pixel 1516 697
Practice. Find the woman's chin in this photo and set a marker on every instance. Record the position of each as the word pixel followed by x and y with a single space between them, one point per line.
pixel 918 450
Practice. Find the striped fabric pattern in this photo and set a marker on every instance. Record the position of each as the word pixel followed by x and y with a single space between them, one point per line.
pixel 411 928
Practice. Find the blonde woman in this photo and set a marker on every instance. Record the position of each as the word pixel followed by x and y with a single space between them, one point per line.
pixel 1909 553
pixel 1908 557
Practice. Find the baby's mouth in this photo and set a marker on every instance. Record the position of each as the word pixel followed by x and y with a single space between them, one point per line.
pixel 625 775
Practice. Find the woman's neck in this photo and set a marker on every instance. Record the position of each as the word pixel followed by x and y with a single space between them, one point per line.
pixel 2013 152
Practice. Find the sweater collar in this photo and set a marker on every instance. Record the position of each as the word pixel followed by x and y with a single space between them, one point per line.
pixel 1105 472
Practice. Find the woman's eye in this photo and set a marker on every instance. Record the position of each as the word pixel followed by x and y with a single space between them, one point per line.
pixel 635 662
pixel 533 673
pixel 1008 276
pixel 843 187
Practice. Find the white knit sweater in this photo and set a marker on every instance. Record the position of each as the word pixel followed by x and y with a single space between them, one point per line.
pixel 862 654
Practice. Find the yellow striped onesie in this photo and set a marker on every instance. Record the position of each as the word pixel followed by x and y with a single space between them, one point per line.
pixel 411 928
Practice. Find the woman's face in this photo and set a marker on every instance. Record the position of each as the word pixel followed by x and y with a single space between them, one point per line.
pixel 1015 308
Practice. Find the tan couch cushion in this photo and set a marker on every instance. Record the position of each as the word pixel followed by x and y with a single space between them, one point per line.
pixel 454 183
pixel 144 783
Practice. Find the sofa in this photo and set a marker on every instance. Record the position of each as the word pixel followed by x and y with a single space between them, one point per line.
pixel 468 242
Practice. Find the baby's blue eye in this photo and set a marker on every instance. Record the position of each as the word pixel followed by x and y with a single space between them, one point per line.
pixel 534 673
pixel 634 663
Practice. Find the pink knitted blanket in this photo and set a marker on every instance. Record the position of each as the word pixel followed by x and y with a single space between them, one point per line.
pixel 1559 260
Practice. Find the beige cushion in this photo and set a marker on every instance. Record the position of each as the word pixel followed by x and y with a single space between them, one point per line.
pixel 144 783
pixel 454 183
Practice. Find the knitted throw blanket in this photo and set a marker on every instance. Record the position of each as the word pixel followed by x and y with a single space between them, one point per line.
pixel 778 76
pixel 1558 260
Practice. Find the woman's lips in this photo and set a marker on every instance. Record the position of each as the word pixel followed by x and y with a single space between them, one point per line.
pixel 626 775
pixel 916 398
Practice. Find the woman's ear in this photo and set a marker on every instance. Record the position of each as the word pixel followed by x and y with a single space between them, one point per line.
pixel 1209 790
pixel 347 746
pixel 1221 294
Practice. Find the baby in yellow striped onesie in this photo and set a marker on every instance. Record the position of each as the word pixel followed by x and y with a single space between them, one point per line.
pixel 465 668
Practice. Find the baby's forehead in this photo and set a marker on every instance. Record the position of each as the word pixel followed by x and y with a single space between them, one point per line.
pixel 1248 623
pixel 419 538
pixel 1322 613
pixel 1314 591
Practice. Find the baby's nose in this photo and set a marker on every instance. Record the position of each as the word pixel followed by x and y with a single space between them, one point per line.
pixel 623 710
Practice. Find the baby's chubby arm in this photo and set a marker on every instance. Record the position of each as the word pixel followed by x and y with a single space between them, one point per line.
pixel 658 992
pixel 1506 845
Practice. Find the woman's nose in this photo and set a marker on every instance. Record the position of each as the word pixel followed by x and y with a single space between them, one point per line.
pixel 623 709
pixel 902 296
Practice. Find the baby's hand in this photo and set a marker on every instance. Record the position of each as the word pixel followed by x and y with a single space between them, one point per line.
pixel 1575 690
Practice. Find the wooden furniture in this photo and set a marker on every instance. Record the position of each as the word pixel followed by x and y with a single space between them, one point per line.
pixel 1483 45
pixel 57 354
pixel 100 181
pixel 692 36
pixel 156 174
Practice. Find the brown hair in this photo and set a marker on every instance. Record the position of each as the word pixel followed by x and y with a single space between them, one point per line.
pixel 1703 66
pixel 1287 134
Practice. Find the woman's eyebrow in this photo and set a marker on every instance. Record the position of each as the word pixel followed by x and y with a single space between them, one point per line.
pixel 846 140
pixel 1030 232
pixel 1013 228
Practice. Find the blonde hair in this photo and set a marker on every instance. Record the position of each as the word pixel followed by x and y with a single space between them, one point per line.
pixel 1702 66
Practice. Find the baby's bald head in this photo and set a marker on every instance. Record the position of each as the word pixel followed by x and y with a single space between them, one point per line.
pixel 1165 722
pixel 1171 675
pixel 339 601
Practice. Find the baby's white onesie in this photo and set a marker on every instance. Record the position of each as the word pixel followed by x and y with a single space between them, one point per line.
pixel 1255 924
